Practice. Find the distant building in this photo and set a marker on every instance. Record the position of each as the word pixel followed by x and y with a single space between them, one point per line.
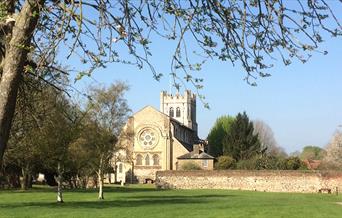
pixel 158 140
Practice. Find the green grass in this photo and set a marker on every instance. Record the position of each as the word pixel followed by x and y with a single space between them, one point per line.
pixel 145 201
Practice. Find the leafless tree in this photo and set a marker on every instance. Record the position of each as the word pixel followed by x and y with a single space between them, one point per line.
pixel 266 138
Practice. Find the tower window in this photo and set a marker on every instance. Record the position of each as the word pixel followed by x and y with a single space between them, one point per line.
pixel 171 112
pixel 178 112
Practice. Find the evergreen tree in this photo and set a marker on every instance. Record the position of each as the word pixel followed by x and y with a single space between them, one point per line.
pixel 240 142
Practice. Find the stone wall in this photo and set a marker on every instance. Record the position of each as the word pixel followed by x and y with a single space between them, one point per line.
pixel 268 181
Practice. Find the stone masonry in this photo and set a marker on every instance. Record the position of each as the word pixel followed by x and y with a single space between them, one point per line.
pixel 266 181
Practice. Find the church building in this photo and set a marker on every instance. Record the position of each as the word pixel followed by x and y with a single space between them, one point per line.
pixel 165 139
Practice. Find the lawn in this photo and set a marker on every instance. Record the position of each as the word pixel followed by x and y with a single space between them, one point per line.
pixel 145 201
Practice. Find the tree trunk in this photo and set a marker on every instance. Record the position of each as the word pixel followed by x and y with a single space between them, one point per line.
pixel 59 184
pixel 24 180
pixel 29 180
pixel 13 65
pixel 100 179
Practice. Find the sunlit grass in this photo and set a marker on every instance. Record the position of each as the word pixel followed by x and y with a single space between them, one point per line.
pixel 145 201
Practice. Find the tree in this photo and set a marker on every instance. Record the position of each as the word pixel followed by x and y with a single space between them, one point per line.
pixel 266 138
pixel 23 151
pixel 240 142
pixel 333 157
pixel 108 111
pixel 35 103
pixel 253 33
pixel 312 153
pixel 217 133
pixel 59 131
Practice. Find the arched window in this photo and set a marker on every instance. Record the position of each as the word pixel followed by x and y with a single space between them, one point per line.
pixel 139 159
pixel 147 160
pixel 171 112
pixel 155 160
pixel 120 168
pixel 178 113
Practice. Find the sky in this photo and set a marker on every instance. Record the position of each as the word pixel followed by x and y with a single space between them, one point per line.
pixel 302 103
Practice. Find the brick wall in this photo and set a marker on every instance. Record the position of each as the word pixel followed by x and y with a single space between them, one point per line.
pixel 269 181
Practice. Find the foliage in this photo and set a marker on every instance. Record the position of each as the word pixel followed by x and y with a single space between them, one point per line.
pixel 240 142
pixel 312 153
pixel 39 127
pixel 237 31
pixel 54 136
pixel 190 165
pixel 291 163
pixel 108 111
pixel 225 162
pixel 268 162
pixel 217 133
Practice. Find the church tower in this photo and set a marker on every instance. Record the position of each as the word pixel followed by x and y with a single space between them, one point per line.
pixel 180 107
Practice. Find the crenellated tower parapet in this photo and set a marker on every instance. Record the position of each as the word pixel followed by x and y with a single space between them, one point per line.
pixel 180 107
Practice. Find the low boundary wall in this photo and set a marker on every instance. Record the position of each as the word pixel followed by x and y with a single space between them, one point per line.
pixel 268 181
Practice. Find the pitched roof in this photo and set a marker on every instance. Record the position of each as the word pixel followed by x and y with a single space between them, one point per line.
pixel 193 155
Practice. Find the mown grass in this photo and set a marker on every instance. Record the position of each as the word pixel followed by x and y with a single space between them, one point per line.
pixel 145 201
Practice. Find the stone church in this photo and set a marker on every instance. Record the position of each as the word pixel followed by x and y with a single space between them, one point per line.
pixel 164 139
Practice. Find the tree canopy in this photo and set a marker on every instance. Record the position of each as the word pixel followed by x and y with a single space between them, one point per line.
pixel 312 153
pixel 217 134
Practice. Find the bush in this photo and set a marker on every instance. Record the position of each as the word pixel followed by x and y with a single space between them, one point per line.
pixel 225 162
pixel 271 163
pixel 249 164
pixel 294 163
pixel 266 163
pixel 291 163
pixel 190 166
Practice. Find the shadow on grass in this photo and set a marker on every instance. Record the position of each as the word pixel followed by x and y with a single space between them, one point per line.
pixel 139 201
pixel 124 189
pixel 110 189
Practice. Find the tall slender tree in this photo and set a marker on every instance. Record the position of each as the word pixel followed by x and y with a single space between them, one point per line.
pixel 108 111
pixel 241 143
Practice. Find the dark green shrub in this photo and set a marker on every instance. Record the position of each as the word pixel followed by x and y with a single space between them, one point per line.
pixel 190 166
pixel 225 162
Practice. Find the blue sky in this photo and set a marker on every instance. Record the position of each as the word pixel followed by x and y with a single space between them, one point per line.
pixel 301 102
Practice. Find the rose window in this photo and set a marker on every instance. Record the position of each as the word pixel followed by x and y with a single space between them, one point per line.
pixel 148 138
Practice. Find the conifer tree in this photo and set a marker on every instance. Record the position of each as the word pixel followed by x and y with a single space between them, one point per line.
pixel 240 142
